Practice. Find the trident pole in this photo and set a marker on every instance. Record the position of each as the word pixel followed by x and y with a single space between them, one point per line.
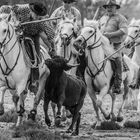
pixel 43 20
pixel 52 7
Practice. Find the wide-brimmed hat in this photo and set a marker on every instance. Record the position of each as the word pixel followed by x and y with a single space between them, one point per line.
pixel 111 3
pixel 38 8
pixel 69 1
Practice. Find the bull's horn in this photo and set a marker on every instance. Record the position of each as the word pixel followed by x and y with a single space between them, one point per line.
pixel 72 65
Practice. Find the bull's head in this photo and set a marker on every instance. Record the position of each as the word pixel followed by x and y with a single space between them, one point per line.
pixel 59 63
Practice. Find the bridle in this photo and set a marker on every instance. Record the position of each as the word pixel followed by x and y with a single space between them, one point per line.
pixel 90 48
pixel 68 38
pixel 137 35
pixel 3 44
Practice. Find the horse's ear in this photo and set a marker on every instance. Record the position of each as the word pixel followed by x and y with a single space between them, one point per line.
pixel 133 21
pixel 9 18
pixel 74 20
pixel 63 17
pixel 85 21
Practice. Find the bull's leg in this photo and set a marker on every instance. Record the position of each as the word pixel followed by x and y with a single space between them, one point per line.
pixel 45 107
pixel 20 106
pixel 53 105
pixel 59 107
pixel 78 124
pixel 76 118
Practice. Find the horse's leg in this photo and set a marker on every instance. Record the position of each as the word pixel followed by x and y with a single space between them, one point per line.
pixel 93 97
pixel 138 97
pixel 3 90
pixel 39 95
pixel 126 91
pixel 102 93
pixel 113 96
pixel 20 106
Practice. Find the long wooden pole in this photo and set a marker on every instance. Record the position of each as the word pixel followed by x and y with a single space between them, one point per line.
pixel 115 52
pixel 37 21
pixel 96 13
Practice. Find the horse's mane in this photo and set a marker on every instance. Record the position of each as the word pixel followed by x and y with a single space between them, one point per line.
pixel 95 24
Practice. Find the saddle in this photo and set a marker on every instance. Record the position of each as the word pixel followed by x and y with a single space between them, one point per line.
pixel 30 54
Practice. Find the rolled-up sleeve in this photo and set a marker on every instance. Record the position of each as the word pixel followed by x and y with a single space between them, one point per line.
pixel 123 24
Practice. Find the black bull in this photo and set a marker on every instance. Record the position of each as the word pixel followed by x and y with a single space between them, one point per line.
pixel 64 89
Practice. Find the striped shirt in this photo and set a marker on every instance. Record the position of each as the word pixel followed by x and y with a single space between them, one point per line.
pixel 23 14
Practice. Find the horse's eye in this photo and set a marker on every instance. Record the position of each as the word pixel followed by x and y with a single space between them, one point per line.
pixel 136 31
pixel 4 31
pixel 90 31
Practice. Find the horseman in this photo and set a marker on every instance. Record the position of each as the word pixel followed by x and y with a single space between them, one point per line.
pixel 31 12
pixel 114 27
pixel 68 11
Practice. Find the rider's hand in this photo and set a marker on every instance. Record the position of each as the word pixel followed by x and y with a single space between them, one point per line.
pixel 108 35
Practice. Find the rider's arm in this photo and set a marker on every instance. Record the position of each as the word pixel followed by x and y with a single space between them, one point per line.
pixel 47 34
pixel 122 28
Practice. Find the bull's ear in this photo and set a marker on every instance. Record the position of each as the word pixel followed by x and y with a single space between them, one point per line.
pixel 48 62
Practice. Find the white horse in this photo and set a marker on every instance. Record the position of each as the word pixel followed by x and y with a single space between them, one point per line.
pixel 14 71
pixel 133 40
pixel 66 33
pixel 98 77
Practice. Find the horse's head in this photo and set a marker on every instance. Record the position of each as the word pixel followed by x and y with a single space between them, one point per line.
pixel 88 36
pixel 66 32
pixel 4 30
pixel 133 33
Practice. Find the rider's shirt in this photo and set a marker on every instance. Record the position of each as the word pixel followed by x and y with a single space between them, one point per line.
pixel 72 13
pixel 112 24
pixel 23 14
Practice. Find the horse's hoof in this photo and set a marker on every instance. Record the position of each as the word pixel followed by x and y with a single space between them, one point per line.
pixel 1 109
pixel 74 133
pixel 107 117
pixel 32 115
pixel 119 119
pixel 48 122
pixel 94 125
pixel 69 131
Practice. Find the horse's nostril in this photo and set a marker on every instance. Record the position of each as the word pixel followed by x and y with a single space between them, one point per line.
pixel 79 41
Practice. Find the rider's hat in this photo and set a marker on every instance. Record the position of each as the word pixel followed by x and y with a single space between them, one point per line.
pixel 111 3
pixel 69 1
pixel 38 8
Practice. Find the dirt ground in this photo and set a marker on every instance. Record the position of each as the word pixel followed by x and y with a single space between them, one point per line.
pixel 88 118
